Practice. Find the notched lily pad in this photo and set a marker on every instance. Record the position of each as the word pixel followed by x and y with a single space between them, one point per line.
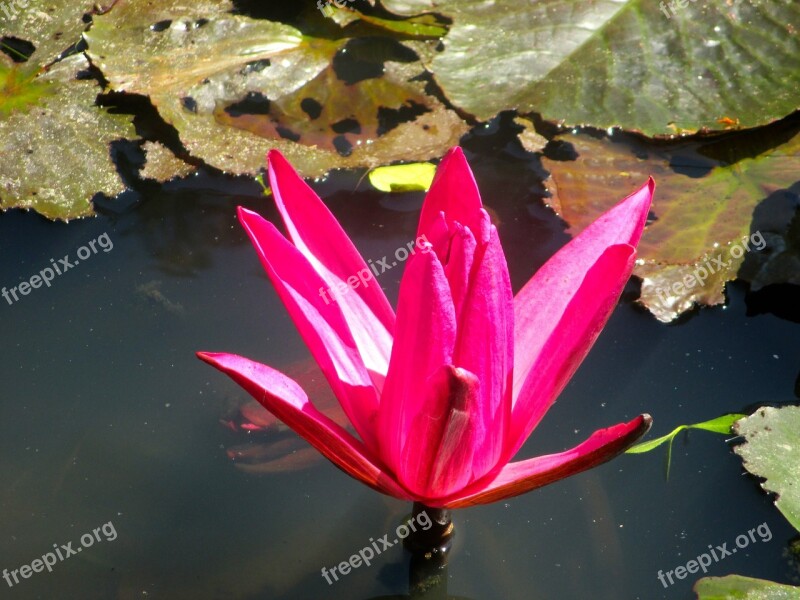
pixel 56 154
pixel 331 114
pixel 702 229
pixel 235 87
pixel 772 451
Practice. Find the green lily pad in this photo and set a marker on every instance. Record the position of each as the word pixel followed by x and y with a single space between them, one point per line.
pixel 56 153
pixel 736 587
pixel 702 231
pixel 772 451
pixel 236 87
pixel 620 63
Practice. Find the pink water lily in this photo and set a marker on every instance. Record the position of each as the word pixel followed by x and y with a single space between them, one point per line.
pixel 444 393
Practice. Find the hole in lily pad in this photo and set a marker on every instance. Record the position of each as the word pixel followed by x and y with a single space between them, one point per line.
pixel 347 126
pixel 342 145
pixel 254 103
pixel 389 118
pixel 311 107
pixel 189 104
pixel 18 50
pixel 161 25
pixel 287 134
pixel 364 58
pixel 256 66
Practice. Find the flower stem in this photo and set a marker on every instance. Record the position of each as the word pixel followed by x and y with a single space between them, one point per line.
pixel 432 533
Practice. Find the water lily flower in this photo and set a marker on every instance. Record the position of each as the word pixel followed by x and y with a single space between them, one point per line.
pixel 444 393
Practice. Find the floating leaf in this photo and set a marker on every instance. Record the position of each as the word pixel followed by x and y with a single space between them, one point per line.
pixel 620 62
pixel 719 425
pixel 235 87
pixel 736 587
pixel 403 178
pixel 702 231
pixel 772 451
pixel 56 156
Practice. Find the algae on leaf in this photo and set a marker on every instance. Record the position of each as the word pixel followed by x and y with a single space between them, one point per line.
pixel 56 153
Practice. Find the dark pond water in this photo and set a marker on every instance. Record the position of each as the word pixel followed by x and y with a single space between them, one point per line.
pixel 108 422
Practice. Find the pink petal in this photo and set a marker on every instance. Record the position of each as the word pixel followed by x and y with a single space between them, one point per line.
pixel 569 340
pixel 521 477
pixel 444 436
pixel 425 333
pixel 560 311
pixel 320 323
pixel 458 263
pixel 485 347
pixel 287 401
pixel 318 236
pixel 453 192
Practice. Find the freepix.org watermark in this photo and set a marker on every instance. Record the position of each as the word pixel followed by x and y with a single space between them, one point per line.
pixel 674 6
pixel 713 265
pixel 365 275
pixel 367 553
pixel 48 274
pixel 9 8
pixel 703 561
pixel 326 6
pixel 61 552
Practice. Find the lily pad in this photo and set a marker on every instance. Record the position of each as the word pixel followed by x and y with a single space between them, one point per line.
pixel 772 451
pixel 235 87
pixel 403 178
pixel 56 154
pixel 702 228
pixel 736 587
pixel 620 63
